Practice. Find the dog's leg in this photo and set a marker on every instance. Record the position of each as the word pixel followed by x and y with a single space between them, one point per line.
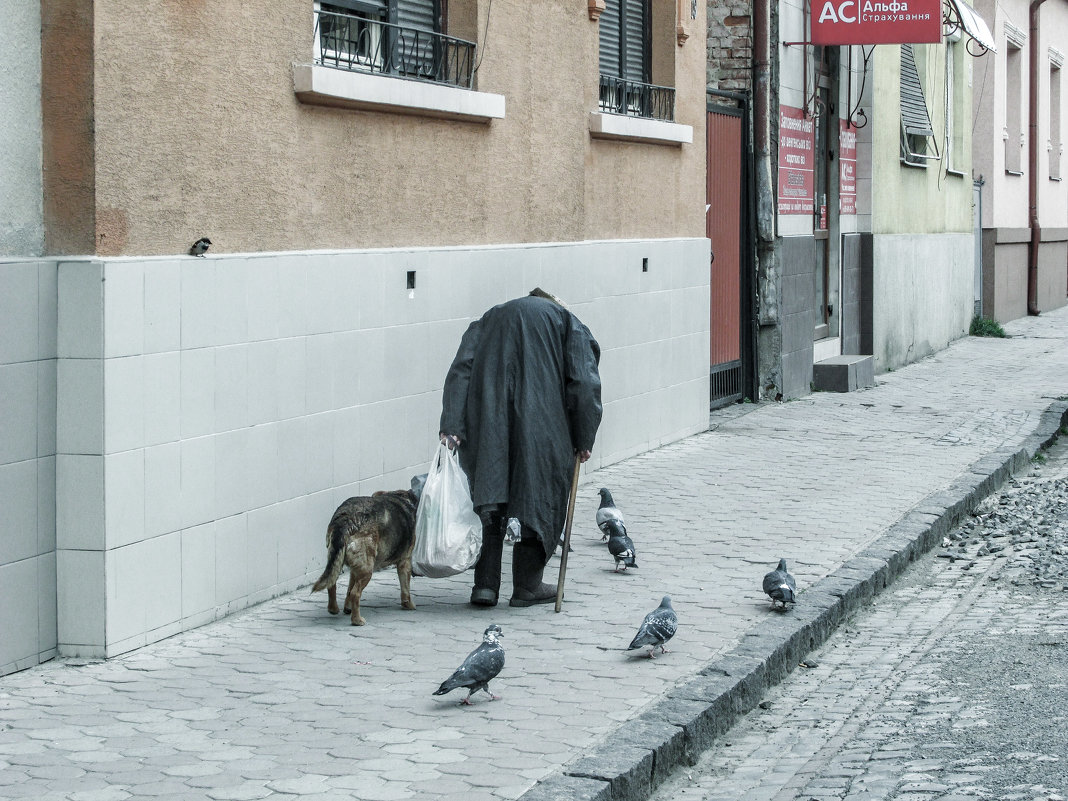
pixel 358 579
pixel 331 604
pixel 404 573
pixel 360 555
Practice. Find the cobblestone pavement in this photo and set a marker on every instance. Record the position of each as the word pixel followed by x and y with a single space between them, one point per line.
pixel 953 685
pixel 283 699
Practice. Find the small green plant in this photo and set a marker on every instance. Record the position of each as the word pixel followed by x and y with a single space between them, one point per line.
pixel 1039 458
pixel 985 327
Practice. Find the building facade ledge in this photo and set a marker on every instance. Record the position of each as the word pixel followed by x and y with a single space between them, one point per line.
pixel 328 86
pixel 637 129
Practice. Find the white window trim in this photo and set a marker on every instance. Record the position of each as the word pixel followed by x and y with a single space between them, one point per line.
pixel 639 129
pixel 327 86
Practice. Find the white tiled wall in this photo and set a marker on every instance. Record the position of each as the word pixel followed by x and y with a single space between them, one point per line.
pixel 212 413
pixel 27 463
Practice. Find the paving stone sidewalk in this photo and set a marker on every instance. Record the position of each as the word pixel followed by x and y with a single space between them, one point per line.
pixel 285 700
pixel 927 694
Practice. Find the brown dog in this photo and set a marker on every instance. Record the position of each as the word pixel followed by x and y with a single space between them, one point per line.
pixel 369 534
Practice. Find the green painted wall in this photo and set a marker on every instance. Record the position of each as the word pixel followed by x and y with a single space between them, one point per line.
pixel 923 249
pixel 918 200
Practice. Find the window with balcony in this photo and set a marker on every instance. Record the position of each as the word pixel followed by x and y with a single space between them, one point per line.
pixel 626 63
pixel 395 56
pixel 402 38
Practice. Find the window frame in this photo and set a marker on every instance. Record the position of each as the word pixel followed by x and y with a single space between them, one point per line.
pixel 373 14
pixel 1013 133
pixel 1056 134
pixel 955 93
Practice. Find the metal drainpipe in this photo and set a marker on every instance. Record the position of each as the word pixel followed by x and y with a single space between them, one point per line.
pixel 761 109
pixel 1032 159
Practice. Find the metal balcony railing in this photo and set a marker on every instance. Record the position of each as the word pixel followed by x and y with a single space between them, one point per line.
pixel 368 44
pixel 620 96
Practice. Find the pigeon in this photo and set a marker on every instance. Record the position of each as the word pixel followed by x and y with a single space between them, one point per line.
pixel 619 544
pixel 658 627
pixel 780 586
pixel 199 247
pixel 608 511
pixel 481 665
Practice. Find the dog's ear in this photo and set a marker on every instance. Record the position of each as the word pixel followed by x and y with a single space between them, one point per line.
pixel 417 485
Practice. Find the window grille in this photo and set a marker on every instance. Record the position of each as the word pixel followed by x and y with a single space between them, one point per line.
pixel 401 38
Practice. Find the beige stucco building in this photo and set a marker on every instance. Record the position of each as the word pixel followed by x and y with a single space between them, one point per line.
pixel 372 176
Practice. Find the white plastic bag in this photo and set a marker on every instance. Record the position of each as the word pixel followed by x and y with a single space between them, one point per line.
pixel 448 533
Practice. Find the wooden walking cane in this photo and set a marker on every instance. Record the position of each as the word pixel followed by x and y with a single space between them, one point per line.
pixel 567 532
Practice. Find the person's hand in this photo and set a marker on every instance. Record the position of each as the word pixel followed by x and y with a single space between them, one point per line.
pixel 451 441
pixel 584 456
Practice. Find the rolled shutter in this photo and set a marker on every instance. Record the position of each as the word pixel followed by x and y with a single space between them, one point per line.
pixel 608 34
pixel 634 39
pixel 417 14
pixel 414 52
pixel 914 114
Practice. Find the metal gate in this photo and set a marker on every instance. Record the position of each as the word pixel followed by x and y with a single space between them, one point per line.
pixel 726 197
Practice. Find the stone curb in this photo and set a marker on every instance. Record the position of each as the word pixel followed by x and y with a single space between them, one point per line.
pixel 676 730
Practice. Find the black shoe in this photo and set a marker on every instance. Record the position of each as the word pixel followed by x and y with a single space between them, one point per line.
pixel 483 596
pixel 528 566
pixel 544 594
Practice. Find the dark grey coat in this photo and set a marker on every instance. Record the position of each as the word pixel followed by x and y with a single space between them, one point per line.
pixel 523 394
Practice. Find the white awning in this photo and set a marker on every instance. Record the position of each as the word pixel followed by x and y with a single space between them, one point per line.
pixel 974 25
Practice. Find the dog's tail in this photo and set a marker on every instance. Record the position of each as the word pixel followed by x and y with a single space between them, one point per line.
pixel 335 554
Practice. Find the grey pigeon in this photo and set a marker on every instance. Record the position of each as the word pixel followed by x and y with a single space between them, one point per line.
pixel 200 247
pixel 608 511
pixel 481 665
pixel 658 627
pixel 620 545
pixel 780 586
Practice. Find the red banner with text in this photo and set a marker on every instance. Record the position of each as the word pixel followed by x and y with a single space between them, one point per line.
pixel 847 168
pixel 859 22
pixel 796 157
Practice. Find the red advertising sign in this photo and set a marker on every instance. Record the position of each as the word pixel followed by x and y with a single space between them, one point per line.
pixel 847 168
pixel 849 22
pixel 796 151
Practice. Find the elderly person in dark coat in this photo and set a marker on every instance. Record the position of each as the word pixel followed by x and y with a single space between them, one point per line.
pixel 522 398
